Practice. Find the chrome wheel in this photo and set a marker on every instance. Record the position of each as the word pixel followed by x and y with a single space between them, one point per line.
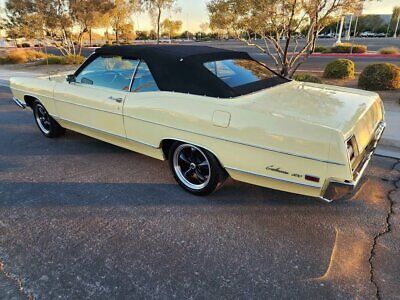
pixel 43 119
pixel 191 166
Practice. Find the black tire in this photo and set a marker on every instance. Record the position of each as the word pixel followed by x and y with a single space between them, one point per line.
pixel 195 169
pixel 46 124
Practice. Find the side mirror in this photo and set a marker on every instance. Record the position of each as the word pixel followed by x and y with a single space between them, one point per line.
pixel 71 78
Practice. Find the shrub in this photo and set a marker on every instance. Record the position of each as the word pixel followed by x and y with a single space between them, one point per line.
pixel 382 76
pixel 63 60
pixel 389 50
pixel 307 78
pixel 21 56
pixel 73 59
pixel 320 49
pixel 33 55
pixel 349 48
pixel 339 69
pixel 52 60
pixel 25 45
pixel 15 57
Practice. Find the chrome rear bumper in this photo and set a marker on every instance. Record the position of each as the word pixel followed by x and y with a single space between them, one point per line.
pixel 19 103
pixel 337 189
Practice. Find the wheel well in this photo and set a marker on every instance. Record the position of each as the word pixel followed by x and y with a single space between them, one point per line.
pixel 29 100
pixel 166 145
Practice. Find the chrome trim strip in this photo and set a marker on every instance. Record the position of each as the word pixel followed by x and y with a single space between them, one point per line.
pixel 326 200
pixel 106 132
pixel 134 74
pixel 274 178
pixel 19 103
pixel 237 142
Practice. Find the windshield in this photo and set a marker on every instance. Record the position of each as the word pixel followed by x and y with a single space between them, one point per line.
pixel 238 72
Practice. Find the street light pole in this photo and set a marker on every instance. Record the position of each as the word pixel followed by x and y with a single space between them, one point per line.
pixel 349 30
pixel 355 27
pixel 397 26
pixel 339 39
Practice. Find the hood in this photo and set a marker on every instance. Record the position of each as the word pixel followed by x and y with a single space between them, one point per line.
pixel 343 109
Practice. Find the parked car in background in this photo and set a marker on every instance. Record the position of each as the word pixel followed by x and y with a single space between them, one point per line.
pixel 326 35
pixel 380 35
pixel 367 34
pixel 213 113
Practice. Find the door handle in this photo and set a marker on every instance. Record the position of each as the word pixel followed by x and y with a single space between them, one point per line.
pixel 119 100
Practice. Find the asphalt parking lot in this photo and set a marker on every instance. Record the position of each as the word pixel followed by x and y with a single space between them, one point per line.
pixel 80 219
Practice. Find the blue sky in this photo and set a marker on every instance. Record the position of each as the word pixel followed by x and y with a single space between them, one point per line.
pixel 194 12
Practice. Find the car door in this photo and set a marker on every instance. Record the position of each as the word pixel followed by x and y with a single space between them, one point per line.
pixel 95 98
pixel 138 105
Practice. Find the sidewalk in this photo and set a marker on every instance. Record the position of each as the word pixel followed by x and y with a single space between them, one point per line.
pixel 390 142
pixel 391 136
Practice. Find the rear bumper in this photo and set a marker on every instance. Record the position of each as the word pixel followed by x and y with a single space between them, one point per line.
pixel 19 103
pixel 337 189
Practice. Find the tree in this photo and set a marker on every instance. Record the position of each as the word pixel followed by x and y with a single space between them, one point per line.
pixel 187 35
pixel 120 16
pixel 142 35
pixel 278 23
pixel 373 23
pixel 22 19
pixel 171 27
pixel 156 7
pixel 127 32
pixel 86 15
pixel 65 21
pixel 204 27
pixel 152 35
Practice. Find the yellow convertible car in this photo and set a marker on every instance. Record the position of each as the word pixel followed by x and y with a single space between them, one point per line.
pixel 213 113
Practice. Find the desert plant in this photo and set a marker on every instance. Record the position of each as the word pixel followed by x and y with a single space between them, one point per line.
pixel 15 57
pixel 33 55
pixel 21 56
pixel 73 59
pixel 52 60
pixel 348 48
pixel 389 50
pixel 320 49
pixel 382 76
pixel 340 69
pixel 306 78
pixel 62 60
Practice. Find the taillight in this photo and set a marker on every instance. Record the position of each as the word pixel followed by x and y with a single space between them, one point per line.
pixel 350 149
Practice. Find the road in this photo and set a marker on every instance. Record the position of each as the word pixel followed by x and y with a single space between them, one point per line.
pixel 373 44
pixel 314 63
pixel 83 219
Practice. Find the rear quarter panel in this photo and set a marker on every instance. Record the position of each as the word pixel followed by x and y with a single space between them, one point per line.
pixel 246 148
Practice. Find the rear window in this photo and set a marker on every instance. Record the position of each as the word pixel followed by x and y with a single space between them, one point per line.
pixel 238 72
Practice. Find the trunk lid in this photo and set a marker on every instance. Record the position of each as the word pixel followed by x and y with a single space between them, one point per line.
pixel 350 111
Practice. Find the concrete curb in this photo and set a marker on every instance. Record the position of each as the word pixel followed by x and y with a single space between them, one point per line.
pixel 390 142
pixel 366 55
pixel 388 152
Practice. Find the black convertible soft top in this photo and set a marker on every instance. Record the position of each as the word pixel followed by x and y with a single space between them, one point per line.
pixel 180 68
